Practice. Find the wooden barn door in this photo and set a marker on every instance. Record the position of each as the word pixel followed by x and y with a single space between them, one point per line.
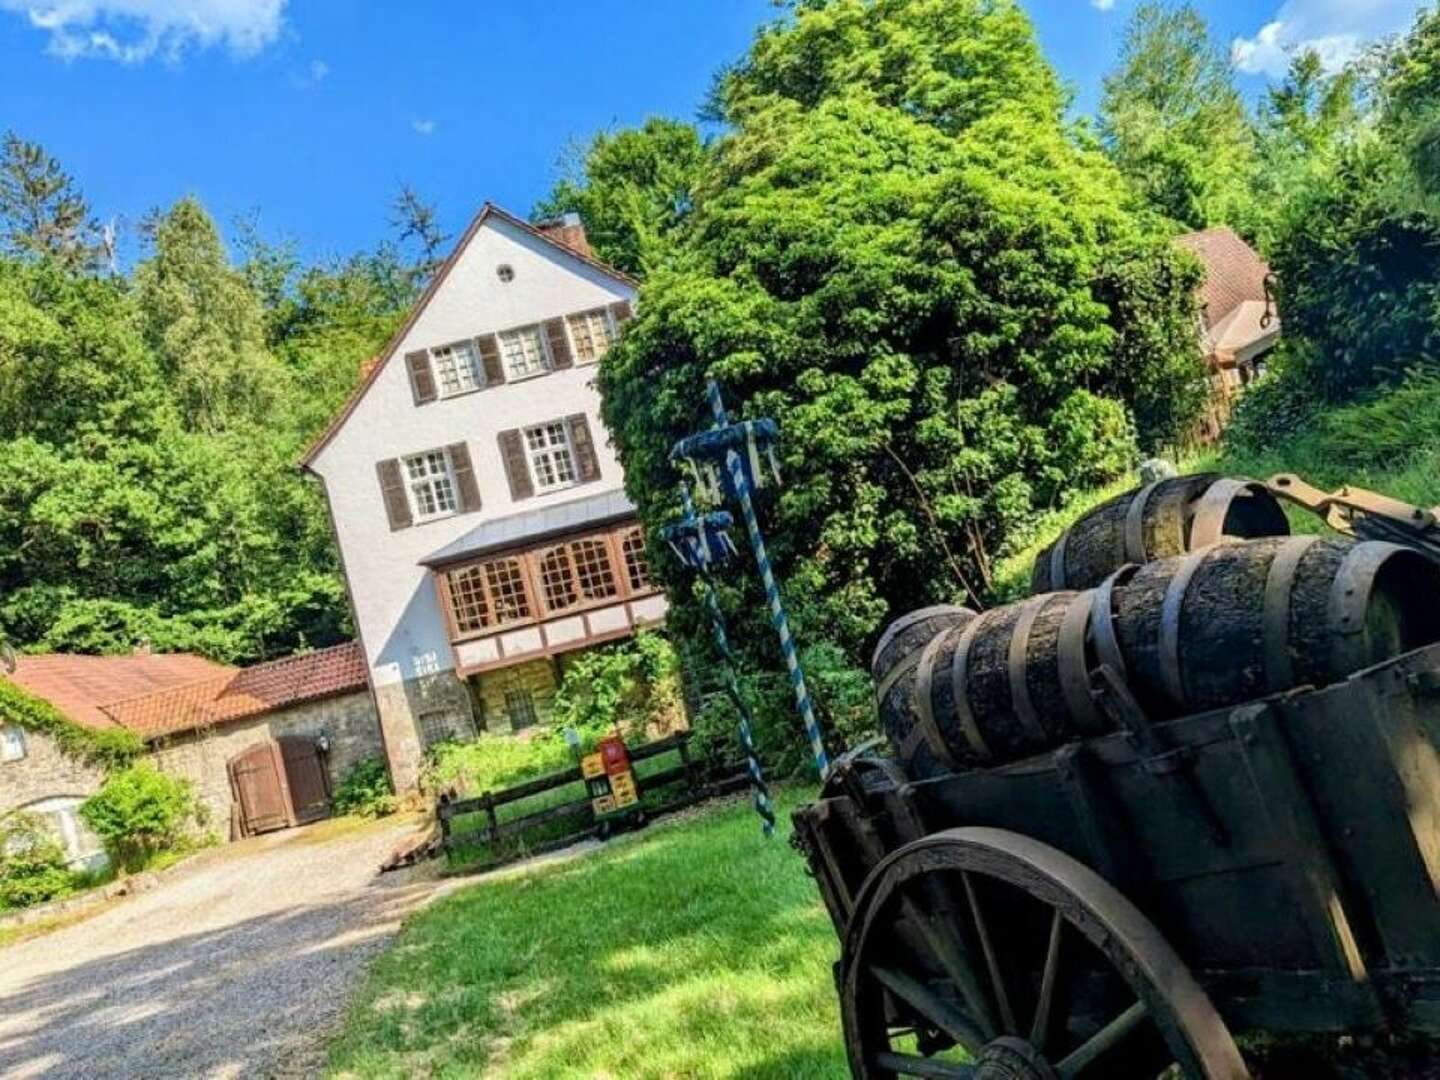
pixel 306 778
pixel 259 790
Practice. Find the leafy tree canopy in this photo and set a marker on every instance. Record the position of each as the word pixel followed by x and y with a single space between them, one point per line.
pixel 1174 122
pixel 955 313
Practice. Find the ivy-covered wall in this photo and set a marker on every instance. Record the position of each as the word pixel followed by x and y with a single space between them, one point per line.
pixel 102 749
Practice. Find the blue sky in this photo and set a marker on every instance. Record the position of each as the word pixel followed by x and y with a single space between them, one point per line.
pixel 313 111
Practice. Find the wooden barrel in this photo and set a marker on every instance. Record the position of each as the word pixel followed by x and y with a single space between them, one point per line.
pixel 1157 521
pixel 1238 621
pixel 893 666
pixel 1008 683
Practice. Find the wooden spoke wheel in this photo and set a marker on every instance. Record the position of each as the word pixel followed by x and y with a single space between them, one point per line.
pixel 985 954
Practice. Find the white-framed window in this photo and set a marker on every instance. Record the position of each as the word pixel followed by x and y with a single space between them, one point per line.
pixel 592 334
pixel 12 743
pixel 431 483
pixel 457 368
pixel 524 351
pixel 552 459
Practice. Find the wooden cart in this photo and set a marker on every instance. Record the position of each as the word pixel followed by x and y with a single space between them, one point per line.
pixel 1119 907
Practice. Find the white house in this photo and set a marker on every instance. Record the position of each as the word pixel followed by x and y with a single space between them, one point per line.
pixel 478 507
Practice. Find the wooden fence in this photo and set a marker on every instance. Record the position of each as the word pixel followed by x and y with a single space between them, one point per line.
pixel 696 781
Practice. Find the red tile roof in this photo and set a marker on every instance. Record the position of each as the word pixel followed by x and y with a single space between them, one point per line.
pixel 80 686
pixel 166 694
pixel 252 691
pixel 1234 271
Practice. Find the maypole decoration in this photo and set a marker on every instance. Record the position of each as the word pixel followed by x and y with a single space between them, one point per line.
pixel 729 460
pixel 702 543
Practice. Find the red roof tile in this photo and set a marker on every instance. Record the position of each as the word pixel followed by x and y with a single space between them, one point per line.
pixel 79 686
pixel 252 691
pixel 1234 271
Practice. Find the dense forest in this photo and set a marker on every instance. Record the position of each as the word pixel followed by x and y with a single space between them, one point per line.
pixel 887 226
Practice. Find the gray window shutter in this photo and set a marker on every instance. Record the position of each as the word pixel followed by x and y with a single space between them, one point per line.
pixel 621 312
pixel 465 481
pixel 587 465
pixel 517 469
pixel 489 346
pixel 392 490
pixel 422 379
pixel 560 357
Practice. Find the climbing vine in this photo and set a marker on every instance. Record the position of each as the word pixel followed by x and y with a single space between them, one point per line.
pixel 108 749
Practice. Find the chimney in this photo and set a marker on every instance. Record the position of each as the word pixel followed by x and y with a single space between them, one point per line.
pixel 568 230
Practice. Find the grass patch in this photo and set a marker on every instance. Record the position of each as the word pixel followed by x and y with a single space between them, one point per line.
pixel 694 949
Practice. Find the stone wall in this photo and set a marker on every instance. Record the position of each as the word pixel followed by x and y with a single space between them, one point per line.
pixel 442 699
pixel 203 757
pixel 535 677
pixel 44 773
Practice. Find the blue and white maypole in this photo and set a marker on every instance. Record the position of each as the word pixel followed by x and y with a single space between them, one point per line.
pixel 702 543
pixel 738 448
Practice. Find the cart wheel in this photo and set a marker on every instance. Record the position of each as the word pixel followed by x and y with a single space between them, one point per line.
pixel 983 953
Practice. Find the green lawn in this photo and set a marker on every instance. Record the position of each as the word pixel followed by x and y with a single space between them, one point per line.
pixel 692 949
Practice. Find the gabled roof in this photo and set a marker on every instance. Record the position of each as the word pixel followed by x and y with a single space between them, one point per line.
pixel 534 525
pixel 154 695
pixel 81 686
pixel 371 371
pixel 1234 271
pixel 249 692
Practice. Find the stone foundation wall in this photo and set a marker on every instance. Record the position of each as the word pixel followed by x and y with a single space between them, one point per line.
pixel 202 757
pixel 439 701
pixel 535 677
pixel 44 773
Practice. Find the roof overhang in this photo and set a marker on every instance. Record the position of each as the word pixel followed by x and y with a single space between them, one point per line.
pixel 534 526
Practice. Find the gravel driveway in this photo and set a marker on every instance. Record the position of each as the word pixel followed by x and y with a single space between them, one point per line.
pixel 235 967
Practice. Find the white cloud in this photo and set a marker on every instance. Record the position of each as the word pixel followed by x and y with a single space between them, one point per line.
pixel 132 31
pixel 1338 30
pixel 315 73
pixel 1102 5
pixel 424 127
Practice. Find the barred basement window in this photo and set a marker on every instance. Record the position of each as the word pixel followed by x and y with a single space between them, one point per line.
pixel 506 584
pixel 637 567
pixel 520 705
pixel 468 601
pixel 436 727
pixel 557 578
pixel 592 569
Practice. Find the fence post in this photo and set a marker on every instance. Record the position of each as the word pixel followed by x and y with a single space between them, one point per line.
pixel 494 821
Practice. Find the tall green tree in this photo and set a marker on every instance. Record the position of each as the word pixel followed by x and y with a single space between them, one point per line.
pixel 634 189
pixel 1174 122
pixel 899 253
pixel 204 323
pixel 42 213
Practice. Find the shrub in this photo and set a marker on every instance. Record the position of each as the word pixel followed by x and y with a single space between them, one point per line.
pixel 633 687
pixel 365 790
pixel 32 863
pixel 138 813
pixel 492 762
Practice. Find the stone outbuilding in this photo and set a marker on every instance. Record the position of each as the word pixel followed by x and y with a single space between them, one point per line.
pixel 263 746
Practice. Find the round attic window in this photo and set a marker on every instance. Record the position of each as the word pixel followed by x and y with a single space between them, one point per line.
pixel 506 272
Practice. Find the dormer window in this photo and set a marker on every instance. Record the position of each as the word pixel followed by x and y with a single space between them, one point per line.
pixel 524 352
pixel 457 368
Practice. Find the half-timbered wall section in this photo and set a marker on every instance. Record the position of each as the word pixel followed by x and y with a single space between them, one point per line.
pixel 548 598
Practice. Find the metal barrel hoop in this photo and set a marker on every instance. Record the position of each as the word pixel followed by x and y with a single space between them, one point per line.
pixel 924 707
pixel 1208 525
pixel 1102 619
pixel 894 675
pixel 1279 587
pixel 1057 561
pixel 1135 523
pixel 903 623
pixel 1017 668
pixel 1350 594
pixel 959 673
pixel 1172 609
pixel 1072 663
